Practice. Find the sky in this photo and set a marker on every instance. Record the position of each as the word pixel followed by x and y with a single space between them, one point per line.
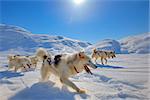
pixel 90 20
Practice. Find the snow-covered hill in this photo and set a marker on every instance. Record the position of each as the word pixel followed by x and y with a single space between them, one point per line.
pixel 136 44
pixel 59 43
pixel 139 44
pixel 17 38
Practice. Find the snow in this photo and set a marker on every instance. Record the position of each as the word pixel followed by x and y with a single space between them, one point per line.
pixel 136 44
pixel 14 37
pixel 20 39
pixel 124 78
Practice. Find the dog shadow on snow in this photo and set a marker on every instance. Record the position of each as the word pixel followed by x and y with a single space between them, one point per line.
pixel 5 75
pixel 108 66
pixel 46 91
pixel 9 74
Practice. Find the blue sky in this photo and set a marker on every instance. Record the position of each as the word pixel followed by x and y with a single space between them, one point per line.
pixel 92 21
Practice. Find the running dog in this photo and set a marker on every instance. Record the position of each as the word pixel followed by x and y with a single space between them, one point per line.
pixel 103 55
pixel 65 66
pixel 18 62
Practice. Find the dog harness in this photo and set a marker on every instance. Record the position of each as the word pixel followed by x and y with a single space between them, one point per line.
pixel 75 69
pixel 49 61
pixel 87 69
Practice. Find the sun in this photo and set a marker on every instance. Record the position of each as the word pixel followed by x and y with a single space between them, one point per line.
pixel 78 2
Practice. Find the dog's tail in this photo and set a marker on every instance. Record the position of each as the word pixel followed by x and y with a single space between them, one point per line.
pixel 41 52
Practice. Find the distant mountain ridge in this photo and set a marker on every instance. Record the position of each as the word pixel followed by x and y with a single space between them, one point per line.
pixel 136 44
pixel 14 37
pixel 139 44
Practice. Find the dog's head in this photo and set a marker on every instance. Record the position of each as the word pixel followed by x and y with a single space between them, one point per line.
pixel 85 60
pixel 94 53
pixel 10 57
pixel 112 54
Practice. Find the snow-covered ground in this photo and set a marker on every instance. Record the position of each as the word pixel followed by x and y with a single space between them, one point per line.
pixel 124 78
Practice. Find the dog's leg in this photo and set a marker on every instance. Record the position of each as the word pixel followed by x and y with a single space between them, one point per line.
pixel 23 68
pixel 102 60
pixel 105 60
pixel 96 60
pixel 16 68
pixel 71 84
pixel 35 65
pixel 10 66
pixel 45 73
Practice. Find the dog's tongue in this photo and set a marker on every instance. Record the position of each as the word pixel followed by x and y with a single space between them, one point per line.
pixel 87 69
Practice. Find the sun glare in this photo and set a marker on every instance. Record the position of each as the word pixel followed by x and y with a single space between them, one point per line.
pixel 78 2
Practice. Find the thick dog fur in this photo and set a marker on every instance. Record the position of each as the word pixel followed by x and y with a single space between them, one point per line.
pixel 34 60
pixel 65 66
pixel 18 62
pixel 103 55
pixel 41 52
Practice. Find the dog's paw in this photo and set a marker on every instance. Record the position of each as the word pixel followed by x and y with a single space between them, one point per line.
pixel 81 91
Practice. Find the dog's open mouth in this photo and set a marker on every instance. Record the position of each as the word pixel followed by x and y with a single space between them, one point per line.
pixel 87 69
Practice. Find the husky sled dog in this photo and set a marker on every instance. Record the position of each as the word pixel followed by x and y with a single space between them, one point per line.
pixel 34 60
pixel 103 55
pixel 18 62
pixel 65 66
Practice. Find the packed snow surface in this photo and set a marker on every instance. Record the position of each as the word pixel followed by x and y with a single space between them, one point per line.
pixel 125 77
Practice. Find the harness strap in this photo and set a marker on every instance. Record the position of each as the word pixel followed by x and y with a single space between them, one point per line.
pixel 49 61
pixel 75 69
pixel 87 69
